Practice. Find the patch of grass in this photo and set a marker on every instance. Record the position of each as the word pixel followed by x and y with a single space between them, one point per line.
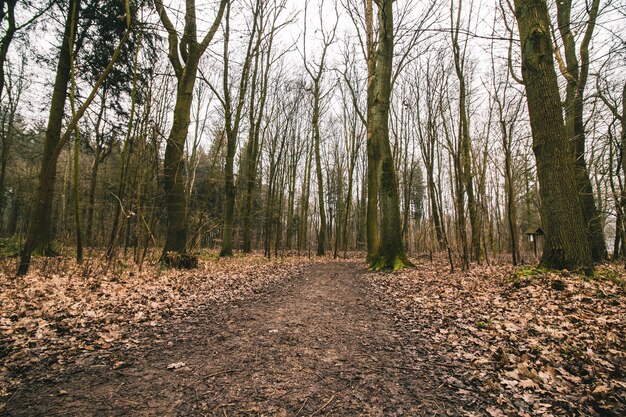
pixel 484 324
pixel 9 246
pixel 609 275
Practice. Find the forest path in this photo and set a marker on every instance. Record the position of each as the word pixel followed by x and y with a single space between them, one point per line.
pixel 321 343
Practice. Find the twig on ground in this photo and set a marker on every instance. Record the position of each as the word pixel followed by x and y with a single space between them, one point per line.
pixel 229 371
pixel 324 406
pixel 303 404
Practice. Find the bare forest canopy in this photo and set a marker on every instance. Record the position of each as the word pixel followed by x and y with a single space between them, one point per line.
pixel 393 128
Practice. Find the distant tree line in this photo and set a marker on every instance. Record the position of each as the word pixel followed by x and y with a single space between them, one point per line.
pixel 394 128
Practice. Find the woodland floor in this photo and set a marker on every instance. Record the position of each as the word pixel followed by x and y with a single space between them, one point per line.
pixel 328 338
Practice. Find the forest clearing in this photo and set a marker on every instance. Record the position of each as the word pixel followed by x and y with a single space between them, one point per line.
pixel 318 207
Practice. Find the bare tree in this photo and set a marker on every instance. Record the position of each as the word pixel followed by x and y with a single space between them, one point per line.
pixel 184 54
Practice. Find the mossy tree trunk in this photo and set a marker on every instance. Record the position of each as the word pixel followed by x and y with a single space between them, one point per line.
pixel 565 245
pixel 390 253
pixel 373 147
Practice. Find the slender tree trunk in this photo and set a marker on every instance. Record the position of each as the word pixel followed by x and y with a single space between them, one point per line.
pixel 304 201
pixel 39 232
pixel 465 148
pixel 93 177
pixel 232 128
pixel 75 196
pixel 321 235
pixel 125 157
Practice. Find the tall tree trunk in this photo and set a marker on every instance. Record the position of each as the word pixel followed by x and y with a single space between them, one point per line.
pixel 125 157
pixel 75 196
pixel 465 140
pixel 184 55
pixel 373 145
pixel 39 233
pixel 390 254
pixel 565 245
pixel 321 235
pixel 576 74
pixel 232 126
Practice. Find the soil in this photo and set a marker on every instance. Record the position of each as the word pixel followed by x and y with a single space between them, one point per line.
pixel 321 343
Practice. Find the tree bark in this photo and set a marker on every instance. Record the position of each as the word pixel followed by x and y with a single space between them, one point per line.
pixel 184 55
pixel 39 233
pixel 373 146
pixel 390 254
pixel 576 73
pixel 566 245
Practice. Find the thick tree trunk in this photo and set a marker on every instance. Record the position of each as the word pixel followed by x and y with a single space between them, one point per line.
pixel 184 55
pixel 566 245
pixel 390 254
pixel 576 73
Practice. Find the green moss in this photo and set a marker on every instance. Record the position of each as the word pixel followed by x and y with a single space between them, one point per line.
pixel 377 263
pixel 609 275
pixel 383 263
pixel 398 264
pixel 530 271
pixel 484 324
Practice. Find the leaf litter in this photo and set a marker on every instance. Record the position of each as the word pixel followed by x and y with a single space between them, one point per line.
pixel 542 344
pixel 47 318
pixel 547 344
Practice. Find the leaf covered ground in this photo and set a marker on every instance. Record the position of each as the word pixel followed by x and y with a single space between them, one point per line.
pixel 61 308
pixel 536 342
pixel 247 336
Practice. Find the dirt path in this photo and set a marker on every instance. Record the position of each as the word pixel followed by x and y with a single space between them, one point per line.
pixel 320 344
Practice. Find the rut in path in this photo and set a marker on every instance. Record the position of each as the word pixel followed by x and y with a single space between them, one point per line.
pixel 319 344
